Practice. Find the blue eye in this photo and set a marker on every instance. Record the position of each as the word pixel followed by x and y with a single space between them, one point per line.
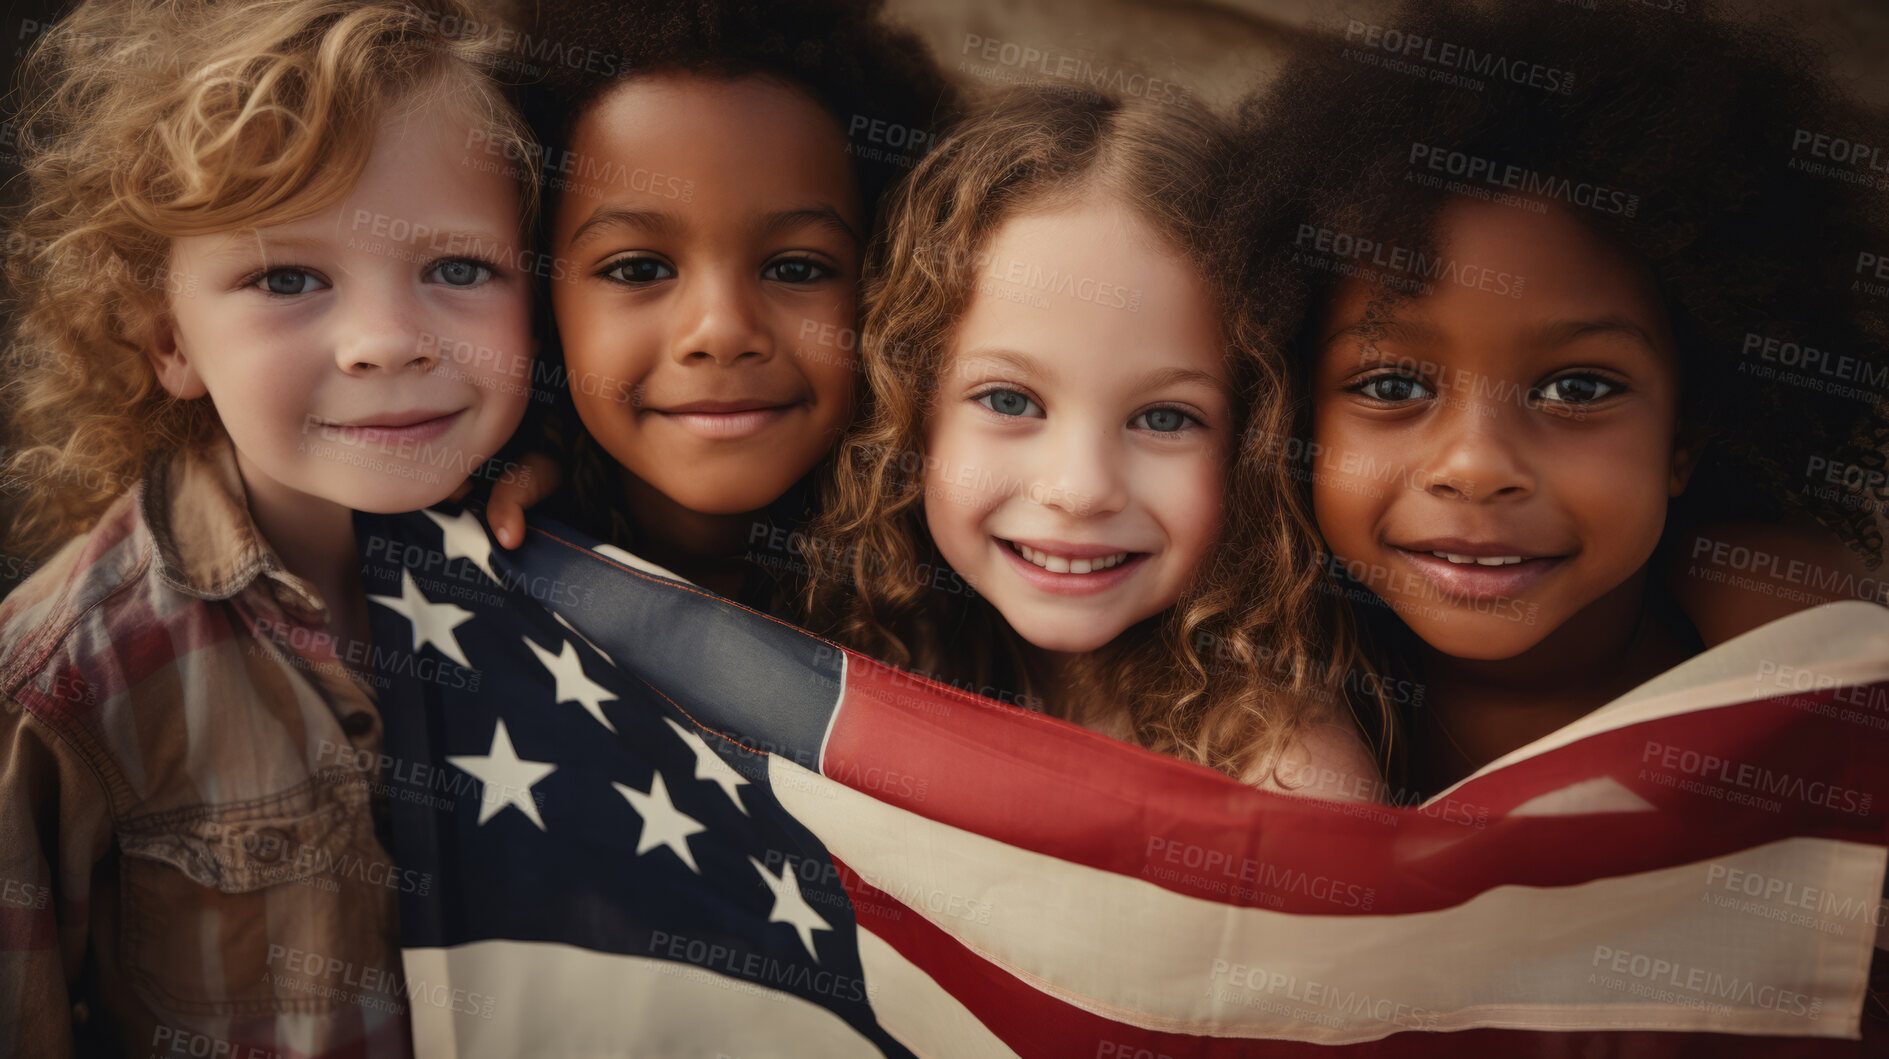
pixel 289 281
pixel 462 272
pixel 639 270
pixel 1008 403
pixel 1393 388
pixel 797 270
pixel 1164 420
pixel 1577 389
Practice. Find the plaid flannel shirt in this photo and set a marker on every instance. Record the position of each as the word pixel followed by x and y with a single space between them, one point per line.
pixel 189 862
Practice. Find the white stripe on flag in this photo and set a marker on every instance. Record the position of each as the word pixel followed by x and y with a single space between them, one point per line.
pixel 1515 957
pixel 550 999
pixel 918 1012
pixel 1836 645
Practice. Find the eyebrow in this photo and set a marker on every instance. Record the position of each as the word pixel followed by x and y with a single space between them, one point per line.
pixel 1375 329
pixel 1561 332
pixel 1023 363
pixel 656 221
pixel 1551 334
pixel 1164 377
pixel 663 223
pixel 446 241
pixel 1153 380
pixel 820 217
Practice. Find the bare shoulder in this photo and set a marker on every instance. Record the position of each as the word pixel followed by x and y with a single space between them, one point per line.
pixel 1326 759
pixel 1731 577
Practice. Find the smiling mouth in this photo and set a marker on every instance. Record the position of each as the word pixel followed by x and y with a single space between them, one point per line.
pixel 1064 569
pixel 1483 560
pixel 1067 564
pixel 725 420
pixel 1466 570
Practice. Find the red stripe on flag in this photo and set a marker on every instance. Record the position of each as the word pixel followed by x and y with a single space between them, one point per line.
pixel 1054 788
pixel 1033 1023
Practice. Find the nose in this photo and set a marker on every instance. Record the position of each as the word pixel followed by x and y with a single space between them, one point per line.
pixel 722 321
pixel 379 330
pixel 1084 474
pixel 1479 454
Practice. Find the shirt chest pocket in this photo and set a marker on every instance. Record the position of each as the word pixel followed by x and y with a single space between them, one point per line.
pixel 269 905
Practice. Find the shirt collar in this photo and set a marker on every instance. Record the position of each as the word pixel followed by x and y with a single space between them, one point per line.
pixel 197 511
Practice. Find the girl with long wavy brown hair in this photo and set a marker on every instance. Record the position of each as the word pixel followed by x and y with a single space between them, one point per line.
pixel 1056 490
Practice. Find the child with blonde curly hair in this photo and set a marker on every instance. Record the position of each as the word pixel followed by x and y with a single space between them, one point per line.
pixel 1052 492
pixel 255 238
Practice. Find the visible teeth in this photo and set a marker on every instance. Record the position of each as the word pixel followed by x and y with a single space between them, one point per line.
pixel 1471 560
pixel 1060 564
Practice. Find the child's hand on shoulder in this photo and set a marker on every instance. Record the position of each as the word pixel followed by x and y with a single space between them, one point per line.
pixel 537 477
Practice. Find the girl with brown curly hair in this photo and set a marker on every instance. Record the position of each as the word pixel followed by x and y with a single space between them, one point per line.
pixel 1054 491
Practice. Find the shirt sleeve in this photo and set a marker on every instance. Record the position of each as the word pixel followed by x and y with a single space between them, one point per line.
pixel 55 825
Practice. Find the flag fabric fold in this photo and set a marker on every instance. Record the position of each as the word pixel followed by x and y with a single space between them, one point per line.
pixel 645 820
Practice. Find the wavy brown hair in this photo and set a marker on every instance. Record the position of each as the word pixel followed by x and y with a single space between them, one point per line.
pixel 146 120
pixel 1227 675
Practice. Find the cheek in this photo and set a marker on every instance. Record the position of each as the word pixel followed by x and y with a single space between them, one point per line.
pixel 1190 497
pixel 599 336
pixel 830 373
pixel 1344 502
pixel 957 480
pixel 1617 492
pixel 251 362
pixel 952 516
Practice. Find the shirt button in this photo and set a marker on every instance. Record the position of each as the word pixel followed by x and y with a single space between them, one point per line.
pixel 271 844
pixel 357 725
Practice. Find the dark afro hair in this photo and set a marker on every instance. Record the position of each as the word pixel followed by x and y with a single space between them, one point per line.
pixel 842 52
pixel 1700 135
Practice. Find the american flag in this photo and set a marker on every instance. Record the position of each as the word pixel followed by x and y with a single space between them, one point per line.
pixel 647 821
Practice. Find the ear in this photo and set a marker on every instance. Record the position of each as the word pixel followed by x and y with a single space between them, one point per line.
pixel 174 372
pixel 1688 444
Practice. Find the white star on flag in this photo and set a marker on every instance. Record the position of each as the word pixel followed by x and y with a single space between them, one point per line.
pixel 710 766
pixel 790 907
pixel 559 618
pixel 507 779
pixel 663 823
pixel 433 623
pixel 572 684
pixel 465 539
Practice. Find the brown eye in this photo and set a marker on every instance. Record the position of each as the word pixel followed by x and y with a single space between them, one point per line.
pixel 1393 389
pixel 797 270
pixel 639 270
pixel 1577 389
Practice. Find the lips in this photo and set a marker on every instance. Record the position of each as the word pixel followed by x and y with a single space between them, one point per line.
pixel 395 427
pixel 1476 570
pixel 1070 569
pixel 726 420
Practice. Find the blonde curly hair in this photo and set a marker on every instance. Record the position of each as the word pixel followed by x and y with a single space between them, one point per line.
pixel 146 120
pixel 1243 661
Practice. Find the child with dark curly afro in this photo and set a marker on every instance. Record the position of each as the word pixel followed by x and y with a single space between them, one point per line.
pixel 1590 353
pixel 711 171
